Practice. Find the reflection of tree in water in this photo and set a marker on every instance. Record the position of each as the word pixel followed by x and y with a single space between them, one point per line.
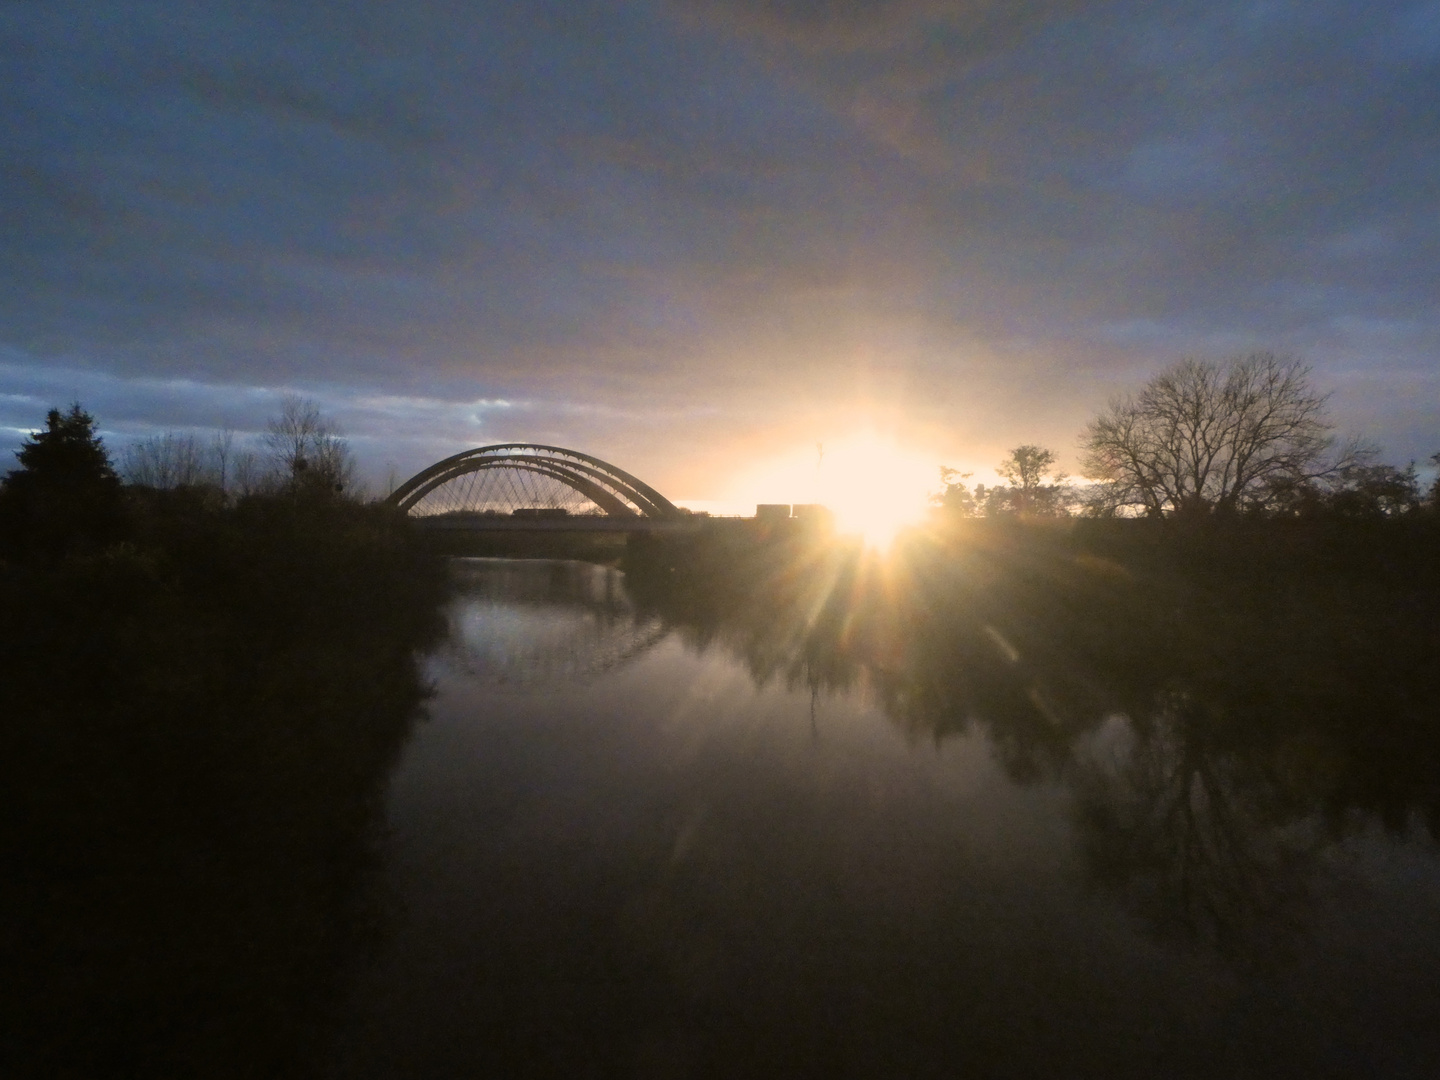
pixel 1221 707
pixel 541 622
pixel 1202 841
pixel 800 637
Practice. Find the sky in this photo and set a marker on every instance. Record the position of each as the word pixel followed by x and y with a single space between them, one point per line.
pixel 698 237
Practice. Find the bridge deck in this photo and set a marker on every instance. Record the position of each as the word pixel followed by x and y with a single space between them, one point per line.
pixel 577 523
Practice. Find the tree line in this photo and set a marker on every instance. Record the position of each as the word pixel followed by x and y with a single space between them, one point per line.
pixel 300 448
pixel 67 496
pixel 1249 435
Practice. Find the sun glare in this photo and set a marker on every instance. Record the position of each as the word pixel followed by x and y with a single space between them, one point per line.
pixel 874 486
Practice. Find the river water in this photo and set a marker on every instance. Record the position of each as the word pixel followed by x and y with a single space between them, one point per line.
pixel 621 845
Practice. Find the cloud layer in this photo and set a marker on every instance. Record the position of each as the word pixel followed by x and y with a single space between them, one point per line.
pixel 686 232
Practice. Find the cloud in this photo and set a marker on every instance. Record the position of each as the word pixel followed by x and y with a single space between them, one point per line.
pixel 403 431
pixel 988 214
pixel 396 119
pixel 857 26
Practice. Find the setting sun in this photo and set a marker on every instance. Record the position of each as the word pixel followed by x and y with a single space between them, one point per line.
pixel 874 486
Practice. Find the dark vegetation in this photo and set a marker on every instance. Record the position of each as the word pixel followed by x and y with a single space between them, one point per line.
pixel 1224 697
pixel 1246 437
pixel 203 698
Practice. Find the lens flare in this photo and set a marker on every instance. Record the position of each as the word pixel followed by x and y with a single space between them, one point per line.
pixel 874 486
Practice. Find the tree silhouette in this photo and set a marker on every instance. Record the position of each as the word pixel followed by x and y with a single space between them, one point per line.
pixel 1203 437
pixel 1025 468
pixel 308 450
pixel 956 498
pixel 65 496
pixel 1373 491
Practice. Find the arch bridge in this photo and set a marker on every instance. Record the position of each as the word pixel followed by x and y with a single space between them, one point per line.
pixel 529 486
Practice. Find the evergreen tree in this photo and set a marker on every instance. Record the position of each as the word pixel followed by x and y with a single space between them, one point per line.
pixel 65 497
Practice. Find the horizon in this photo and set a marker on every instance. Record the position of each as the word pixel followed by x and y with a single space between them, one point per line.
pixel 698 237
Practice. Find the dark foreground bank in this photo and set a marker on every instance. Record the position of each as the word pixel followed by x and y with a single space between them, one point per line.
pixel 199 718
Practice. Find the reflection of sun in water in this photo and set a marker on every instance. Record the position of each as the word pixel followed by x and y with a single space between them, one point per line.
pixel 874 486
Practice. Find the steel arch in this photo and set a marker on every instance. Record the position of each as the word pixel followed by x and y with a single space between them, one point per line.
pixel 613 490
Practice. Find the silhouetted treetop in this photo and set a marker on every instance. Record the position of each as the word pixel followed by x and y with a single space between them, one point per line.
pixel 1206 436
pixel 1025 468
pixel 66 452
pixel 308 450
pixel 65 495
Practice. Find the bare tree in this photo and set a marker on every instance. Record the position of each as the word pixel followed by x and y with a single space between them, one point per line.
pixel 1026 466
pixel 307 449
pixel 1205 437
pixel 179 459
pixel 222 456
pixel 1026 469
pixel 171 460
pixel 248 475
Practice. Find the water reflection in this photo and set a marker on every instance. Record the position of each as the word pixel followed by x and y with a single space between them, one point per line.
pixel 1070 807
pixel 665 867
pixel 1200 839
pixel 1220 724
pixel 540 623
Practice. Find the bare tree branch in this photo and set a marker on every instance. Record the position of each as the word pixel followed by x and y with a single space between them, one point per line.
pixel 1205 437
pixel 308 449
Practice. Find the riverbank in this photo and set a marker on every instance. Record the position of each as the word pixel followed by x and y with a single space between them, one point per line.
pixel 199 724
